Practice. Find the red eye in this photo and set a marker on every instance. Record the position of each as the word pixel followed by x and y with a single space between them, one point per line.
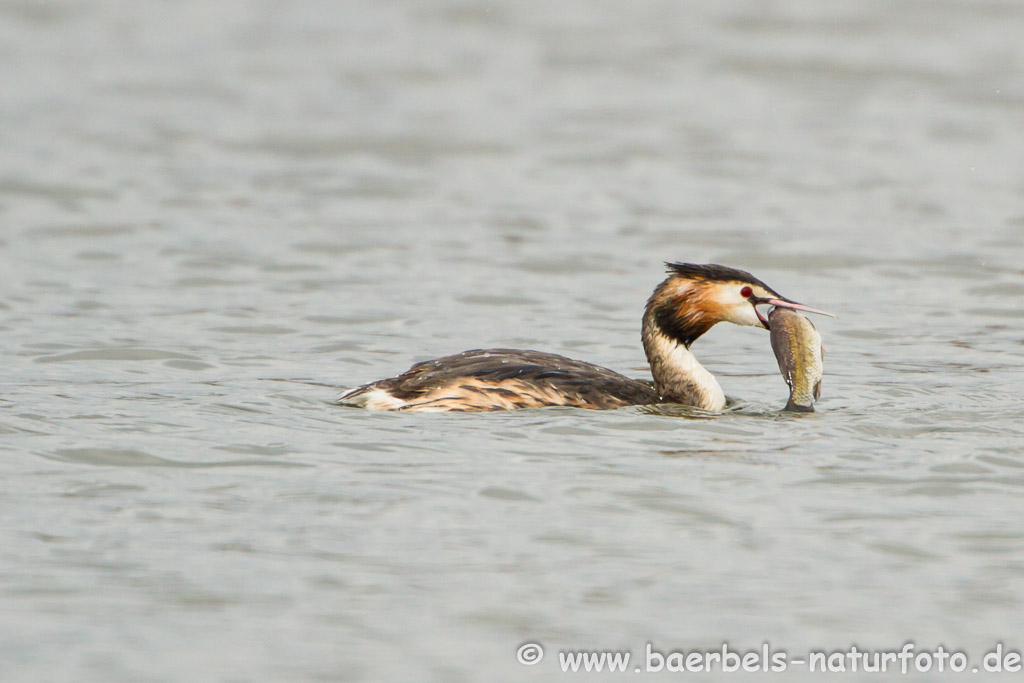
pixel 746 292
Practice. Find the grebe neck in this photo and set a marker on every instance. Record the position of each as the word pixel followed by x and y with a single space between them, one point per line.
pixel 678 375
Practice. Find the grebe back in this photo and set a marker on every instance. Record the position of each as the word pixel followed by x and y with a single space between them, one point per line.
pixel 682 308
pixel 502 379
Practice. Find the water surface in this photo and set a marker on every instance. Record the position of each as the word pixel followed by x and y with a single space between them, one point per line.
pixel 214 217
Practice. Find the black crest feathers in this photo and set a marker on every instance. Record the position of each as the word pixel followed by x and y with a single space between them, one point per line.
pixel 712 272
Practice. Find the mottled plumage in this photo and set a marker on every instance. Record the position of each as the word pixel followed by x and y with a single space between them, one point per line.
pixel 502 379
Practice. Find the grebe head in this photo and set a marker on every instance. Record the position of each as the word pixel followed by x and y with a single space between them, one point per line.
pixel 696 297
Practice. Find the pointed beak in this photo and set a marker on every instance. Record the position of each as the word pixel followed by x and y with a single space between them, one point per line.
pixel 786 303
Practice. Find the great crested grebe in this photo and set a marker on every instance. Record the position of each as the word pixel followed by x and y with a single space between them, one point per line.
pixel 686 305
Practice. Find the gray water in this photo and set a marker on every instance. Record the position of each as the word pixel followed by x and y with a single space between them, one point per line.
pixel 216 216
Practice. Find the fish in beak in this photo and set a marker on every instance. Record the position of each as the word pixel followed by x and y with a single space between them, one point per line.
pixel 779 302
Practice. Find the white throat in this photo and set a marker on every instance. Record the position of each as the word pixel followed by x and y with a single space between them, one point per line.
pixel 678 375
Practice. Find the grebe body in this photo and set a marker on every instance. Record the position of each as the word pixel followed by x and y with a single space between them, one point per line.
pixel 682 308
pixel 501 379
